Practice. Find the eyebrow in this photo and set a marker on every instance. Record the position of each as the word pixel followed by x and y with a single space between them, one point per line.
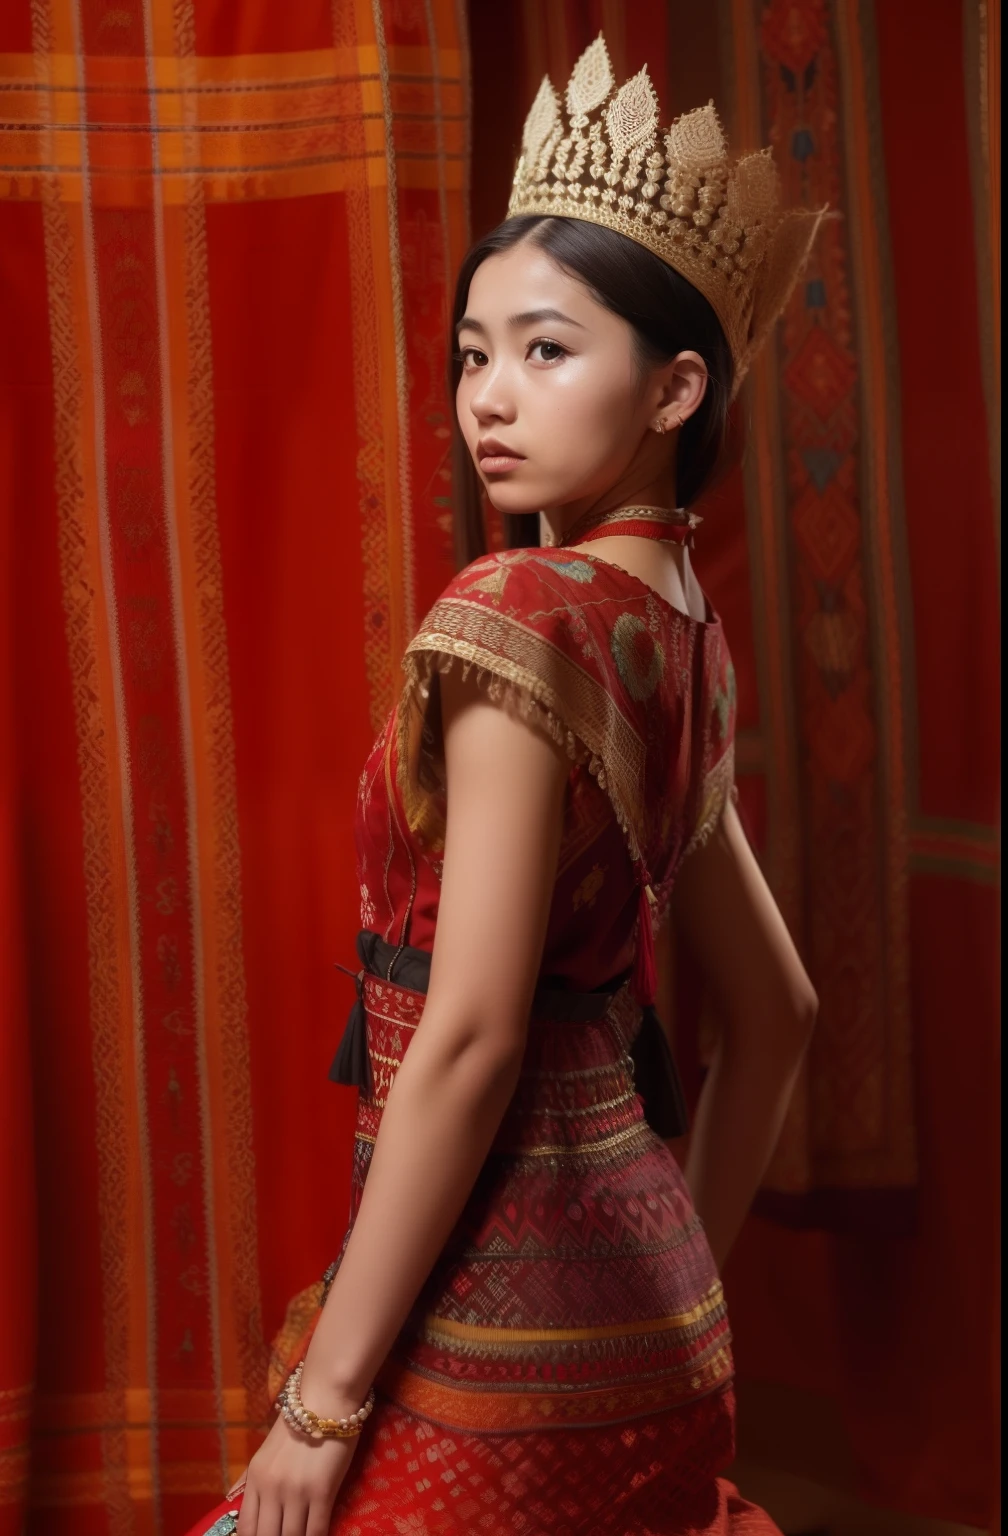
pixel 527 317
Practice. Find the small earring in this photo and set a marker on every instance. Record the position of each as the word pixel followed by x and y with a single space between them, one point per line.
pixel 659 427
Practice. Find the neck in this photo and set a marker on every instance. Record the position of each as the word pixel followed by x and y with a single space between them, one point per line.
pixel 632 490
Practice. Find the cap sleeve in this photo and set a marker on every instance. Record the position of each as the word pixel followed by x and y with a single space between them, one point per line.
pixel 515 618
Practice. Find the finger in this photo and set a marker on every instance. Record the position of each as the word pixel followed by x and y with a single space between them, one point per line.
pixel 295 1517
pixel 248 1514
pixel 269 1520
pixel 319 1516
pixel 237 1487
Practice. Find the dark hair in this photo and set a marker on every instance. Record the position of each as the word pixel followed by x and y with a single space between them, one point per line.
pixel 668 315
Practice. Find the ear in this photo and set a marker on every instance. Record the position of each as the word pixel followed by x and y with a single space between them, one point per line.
pixel 683 384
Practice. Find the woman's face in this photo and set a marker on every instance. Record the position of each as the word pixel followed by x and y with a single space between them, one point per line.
pixel 551 402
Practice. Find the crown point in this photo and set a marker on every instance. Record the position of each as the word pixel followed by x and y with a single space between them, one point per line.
pixel 591 79
pixel 543 116
pixel 753 189
pixel 632 115
pixel 697 139
pixel 789 248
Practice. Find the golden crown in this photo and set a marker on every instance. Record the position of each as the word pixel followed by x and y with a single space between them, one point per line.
pixel 717 222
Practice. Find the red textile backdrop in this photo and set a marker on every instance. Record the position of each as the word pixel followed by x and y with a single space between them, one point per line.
pixel 225 235
pixel 224 257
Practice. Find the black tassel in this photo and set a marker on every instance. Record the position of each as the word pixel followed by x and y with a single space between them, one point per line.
pixel 351 1064
pixel 656 1078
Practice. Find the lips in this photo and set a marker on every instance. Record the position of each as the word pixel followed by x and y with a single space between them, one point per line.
pixel 496 458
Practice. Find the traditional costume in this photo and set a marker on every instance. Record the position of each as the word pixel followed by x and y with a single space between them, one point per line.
pixel 566 1367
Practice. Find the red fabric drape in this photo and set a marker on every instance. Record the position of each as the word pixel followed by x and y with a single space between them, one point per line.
pixel 225 243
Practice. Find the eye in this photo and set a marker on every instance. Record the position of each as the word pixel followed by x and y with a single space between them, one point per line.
pixel 549 351
pixel 471 357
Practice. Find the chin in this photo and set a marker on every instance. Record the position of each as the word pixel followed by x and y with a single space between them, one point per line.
pixel 510 499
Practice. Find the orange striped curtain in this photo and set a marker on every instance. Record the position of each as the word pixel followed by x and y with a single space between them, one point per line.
pixel 226 237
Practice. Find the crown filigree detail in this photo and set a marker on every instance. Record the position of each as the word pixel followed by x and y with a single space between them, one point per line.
pixel 717 221
pixel 591 81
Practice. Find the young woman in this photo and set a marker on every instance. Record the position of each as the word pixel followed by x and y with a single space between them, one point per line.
pixel 525 1330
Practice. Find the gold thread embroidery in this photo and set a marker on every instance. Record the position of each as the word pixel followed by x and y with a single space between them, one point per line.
pixel 614 1345
pixel 617 1141
pixel 404 486
pixel 106 983
pixel 471 1333
pixel 580 1110
pixel 560 696
pixel 478 1408
pixel 716 790
pixel 231 997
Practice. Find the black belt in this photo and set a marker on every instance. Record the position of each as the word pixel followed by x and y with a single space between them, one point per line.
pixel 656 1077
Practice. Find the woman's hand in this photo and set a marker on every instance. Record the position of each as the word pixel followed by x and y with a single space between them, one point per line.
pixel 292 1482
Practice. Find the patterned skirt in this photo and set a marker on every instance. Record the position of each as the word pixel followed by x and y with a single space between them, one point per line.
pixel 566 1370
pixel 652 1477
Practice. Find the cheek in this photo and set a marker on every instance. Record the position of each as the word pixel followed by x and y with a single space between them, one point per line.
pixel 592 405
pixel 467 422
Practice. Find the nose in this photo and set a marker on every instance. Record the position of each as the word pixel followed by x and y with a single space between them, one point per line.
pixel 491 399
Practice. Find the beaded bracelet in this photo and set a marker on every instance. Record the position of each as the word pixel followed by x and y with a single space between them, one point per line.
pixel 301 1418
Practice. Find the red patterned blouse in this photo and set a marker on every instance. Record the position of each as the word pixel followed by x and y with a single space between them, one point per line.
pixel 641 695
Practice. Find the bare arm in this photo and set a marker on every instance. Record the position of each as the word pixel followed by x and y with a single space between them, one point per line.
pixel 723 908
pixel 505 798
pixel 505 791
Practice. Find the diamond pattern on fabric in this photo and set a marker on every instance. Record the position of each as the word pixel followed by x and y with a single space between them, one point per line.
pixel 655 1477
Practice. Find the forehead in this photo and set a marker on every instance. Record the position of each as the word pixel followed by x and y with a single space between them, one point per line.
pixel 525 278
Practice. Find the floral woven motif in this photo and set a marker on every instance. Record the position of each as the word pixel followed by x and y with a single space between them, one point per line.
pixel 641 695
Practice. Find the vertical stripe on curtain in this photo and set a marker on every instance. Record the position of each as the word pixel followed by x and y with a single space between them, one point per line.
pixel 226 243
